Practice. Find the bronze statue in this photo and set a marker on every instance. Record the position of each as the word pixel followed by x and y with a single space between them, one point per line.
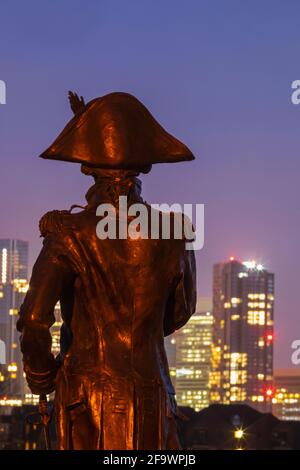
pixel 118 298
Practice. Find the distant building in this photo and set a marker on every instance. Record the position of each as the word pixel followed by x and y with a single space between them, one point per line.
pixel 193 361
pixel 204 304
pixel 170 347
pixel 16 433
pixel 31 399
pixel 243 311
pixel 13 287
pixel 236 427
pixel 55 330
pixel 286 401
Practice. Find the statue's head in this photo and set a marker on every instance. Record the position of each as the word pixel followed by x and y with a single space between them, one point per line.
pixel 116 131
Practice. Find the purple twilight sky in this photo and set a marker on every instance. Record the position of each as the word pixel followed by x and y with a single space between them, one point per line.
pixel 216 74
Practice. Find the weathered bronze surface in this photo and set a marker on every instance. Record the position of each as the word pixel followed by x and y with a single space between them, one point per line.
pixel 119 298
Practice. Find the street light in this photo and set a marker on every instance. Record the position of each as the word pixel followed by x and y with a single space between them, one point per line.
pixel 239 433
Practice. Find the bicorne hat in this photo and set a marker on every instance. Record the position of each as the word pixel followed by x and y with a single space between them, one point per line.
pixel 116 131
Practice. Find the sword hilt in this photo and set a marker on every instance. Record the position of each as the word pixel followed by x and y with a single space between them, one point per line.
pixel 46 418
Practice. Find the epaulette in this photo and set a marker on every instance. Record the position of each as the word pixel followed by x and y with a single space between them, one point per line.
pixel 52 222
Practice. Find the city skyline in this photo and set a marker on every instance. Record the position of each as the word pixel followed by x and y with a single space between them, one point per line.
pixel 240 325
pixel 224 87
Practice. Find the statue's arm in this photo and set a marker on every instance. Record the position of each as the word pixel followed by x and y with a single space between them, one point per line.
pixel 182 300
pixel 51 274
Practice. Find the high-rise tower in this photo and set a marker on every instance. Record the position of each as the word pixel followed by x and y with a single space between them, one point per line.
pixel 13 287
pixel 243 310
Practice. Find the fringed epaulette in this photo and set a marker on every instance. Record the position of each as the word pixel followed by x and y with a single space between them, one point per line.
pixel 52 222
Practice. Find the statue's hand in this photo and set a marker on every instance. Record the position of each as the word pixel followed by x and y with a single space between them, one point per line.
pixel 76 103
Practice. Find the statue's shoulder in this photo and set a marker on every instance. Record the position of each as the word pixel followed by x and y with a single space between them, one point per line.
pixel 54 222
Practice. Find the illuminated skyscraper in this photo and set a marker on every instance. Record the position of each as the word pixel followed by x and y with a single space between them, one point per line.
pixel 193 361
pixel 243 301
pixel 170 347
pixel 13 287
pixel 55 330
